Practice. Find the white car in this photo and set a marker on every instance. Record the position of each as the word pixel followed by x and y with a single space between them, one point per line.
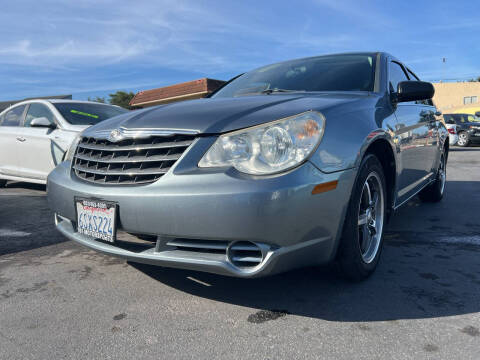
pixel 452 133
pixel 35 134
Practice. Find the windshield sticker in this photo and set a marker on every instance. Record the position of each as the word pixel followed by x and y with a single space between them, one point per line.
pixel 84 114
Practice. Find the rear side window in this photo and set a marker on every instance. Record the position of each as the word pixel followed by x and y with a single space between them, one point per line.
pixel 458 118
pixel 37 111
pixel 396 76
pixel 14 116
pixel 449 119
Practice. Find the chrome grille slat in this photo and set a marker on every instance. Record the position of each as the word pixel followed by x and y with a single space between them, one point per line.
pixel 127 159
pixel 129 172
pixel 198 244
pixel 165 145
pixel 130 161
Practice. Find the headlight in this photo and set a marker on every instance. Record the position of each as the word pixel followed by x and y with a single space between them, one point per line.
pixel 268 148
pixel 72 148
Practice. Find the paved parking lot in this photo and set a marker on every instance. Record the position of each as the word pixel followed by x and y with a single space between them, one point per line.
pixel 59 300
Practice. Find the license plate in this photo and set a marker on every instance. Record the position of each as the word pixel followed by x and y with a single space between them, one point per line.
pixel 96 218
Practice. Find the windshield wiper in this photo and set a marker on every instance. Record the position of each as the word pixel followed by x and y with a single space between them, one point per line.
pixel 270 91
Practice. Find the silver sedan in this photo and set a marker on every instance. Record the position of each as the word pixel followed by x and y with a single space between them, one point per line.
pixel 293 164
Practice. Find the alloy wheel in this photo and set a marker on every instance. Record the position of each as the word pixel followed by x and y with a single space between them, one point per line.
pixel 462 139
pixel 370 217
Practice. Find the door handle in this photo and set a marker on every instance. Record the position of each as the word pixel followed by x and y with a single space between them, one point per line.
pixel 21 138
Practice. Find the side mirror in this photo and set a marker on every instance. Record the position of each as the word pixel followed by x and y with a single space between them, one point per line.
pixel 438 113
pixel 414 91
pixel 42 122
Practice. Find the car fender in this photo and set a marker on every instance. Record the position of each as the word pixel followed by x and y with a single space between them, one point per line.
pixel 348 136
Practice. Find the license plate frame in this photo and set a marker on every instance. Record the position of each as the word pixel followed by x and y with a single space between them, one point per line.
pixel 97 207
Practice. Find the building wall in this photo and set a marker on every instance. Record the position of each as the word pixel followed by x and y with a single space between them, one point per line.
pixel 450 96
pixel 189 90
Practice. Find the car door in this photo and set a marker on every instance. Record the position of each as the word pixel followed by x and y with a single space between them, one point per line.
pixel 411 136
pixel 11 139
pixel 429 118
pixel 39 153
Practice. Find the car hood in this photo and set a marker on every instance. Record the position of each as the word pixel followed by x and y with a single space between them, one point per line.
pixel 75 128
pixel 219 115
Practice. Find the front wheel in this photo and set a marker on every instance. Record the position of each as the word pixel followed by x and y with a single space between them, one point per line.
pixel 463 139
pixel 362 239
pixel 434 192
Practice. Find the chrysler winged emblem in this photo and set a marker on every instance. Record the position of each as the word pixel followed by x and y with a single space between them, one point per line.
pixel 115 136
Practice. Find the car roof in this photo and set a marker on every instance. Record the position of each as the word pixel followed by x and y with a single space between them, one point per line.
pixel 55 101
pixel 366 53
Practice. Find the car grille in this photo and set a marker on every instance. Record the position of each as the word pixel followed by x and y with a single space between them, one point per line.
pixel 130 161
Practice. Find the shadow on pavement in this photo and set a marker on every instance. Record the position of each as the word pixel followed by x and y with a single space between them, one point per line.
pixel 429 268
pixel 25 186
pixel 469 148
pixel 26 223
pixel 412 282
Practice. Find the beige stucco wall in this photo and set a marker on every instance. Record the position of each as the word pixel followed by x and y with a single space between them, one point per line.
pixel 449 96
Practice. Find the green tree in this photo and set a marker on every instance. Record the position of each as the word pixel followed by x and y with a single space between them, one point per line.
pixel 121 98
pixel 97 99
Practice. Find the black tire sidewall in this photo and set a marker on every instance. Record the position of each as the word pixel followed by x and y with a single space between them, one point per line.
pixel 433 192
pixel 350 256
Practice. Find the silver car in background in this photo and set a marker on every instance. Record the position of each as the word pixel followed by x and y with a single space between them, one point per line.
pixel 293 164
pixel 35 135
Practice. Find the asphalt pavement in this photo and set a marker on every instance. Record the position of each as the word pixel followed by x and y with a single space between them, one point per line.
pixel 59 300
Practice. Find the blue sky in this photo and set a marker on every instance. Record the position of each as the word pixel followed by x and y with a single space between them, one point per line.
pixel 93 47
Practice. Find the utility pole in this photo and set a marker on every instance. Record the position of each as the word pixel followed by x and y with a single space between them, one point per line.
pixel 444 61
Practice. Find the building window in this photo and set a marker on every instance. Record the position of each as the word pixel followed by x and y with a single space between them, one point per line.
pixel 470 100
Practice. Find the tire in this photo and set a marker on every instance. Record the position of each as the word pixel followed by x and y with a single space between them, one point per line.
pixel 361 243
pixel 434 192
pixel 463 139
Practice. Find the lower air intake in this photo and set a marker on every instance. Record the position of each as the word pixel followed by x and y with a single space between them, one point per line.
pixel 244 254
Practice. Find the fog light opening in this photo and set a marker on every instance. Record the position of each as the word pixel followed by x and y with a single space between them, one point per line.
pixel 245 254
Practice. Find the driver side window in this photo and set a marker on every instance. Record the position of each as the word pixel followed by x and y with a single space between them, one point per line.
pixel 36 111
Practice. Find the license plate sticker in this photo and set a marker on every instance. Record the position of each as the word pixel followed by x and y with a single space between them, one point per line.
pixel 96 218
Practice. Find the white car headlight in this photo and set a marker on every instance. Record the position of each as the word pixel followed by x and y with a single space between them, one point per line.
pixel 268 148
pixel 72 148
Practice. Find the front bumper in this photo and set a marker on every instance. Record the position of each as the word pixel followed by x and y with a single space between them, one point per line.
pixel 279 213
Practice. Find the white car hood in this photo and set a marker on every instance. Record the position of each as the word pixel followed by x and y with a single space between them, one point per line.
pixel 76 128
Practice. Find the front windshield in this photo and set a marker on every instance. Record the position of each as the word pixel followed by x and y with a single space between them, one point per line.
pixel 77 113
pixel 348 72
